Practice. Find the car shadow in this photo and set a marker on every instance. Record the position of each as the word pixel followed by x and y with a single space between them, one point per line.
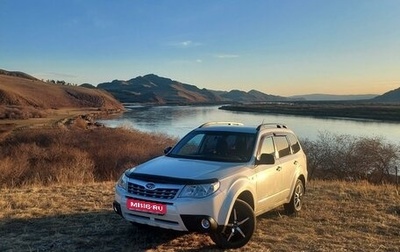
pixel 93 231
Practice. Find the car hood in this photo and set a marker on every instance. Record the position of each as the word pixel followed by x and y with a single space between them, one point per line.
pixel 185 168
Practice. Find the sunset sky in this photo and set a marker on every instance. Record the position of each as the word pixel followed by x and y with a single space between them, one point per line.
pixel 278 47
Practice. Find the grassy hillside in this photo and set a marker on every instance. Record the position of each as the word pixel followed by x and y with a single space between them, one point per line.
pixel 22 98
pixel 337 216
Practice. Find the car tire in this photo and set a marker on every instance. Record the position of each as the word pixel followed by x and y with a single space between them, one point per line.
pixel 240 228
pixel 296 201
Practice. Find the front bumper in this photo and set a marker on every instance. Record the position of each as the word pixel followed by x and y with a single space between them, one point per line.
pixel 183 214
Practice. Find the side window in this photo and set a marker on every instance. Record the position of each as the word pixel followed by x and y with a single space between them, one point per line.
pixel 267 146
pixel 294 143
pixel 282 146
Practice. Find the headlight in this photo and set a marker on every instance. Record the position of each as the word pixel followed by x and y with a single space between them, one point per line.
pixel 122 182
pixel 199 191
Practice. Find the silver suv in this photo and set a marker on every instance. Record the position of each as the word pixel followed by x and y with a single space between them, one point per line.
pixel 217 179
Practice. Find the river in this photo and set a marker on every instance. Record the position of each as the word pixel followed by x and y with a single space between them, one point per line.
pixel 176 121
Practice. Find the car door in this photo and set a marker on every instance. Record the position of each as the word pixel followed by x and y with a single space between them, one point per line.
pixel 287 164
pixel 268 177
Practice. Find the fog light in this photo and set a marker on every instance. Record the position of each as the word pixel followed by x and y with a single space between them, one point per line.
pixel 205 223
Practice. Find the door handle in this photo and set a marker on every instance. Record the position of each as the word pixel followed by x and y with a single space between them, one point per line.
pixel 296 163
pixel 279 168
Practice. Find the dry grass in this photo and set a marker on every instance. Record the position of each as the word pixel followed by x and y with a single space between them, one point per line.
pixel 22 98
pixel 337 216
pixel 45 156
pixel 34 93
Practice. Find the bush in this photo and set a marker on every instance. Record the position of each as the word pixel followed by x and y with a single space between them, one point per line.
pixel 20 112
pixel 47 156
pixel 345 157
pixel 75 155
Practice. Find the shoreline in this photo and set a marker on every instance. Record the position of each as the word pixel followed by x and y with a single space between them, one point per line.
pixel 356 111
pixel 58 117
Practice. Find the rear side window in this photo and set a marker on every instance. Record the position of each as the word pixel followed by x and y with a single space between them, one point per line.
pixel 282 146
pixel 294 143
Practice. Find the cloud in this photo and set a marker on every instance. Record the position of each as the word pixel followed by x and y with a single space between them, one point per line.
pixel 185 61
pixel 185 44
pixel 226 56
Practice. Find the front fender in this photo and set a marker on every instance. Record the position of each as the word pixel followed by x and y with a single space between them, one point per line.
pixel 238 186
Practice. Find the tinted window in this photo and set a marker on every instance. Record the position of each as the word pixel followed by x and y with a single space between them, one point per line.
pixel 294 143
pixel 282 146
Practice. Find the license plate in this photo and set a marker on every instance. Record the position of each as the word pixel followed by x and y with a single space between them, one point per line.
pixel 144 206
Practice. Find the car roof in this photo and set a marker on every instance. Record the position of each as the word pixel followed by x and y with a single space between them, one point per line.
pixel 241 128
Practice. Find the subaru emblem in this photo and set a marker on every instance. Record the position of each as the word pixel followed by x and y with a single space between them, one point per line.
pixel 150 186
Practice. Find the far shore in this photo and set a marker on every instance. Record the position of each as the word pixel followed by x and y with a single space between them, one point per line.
pixel 54 117
pixel 354 110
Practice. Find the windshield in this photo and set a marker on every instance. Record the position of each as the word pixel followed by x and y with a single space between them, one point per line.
pixel 216 146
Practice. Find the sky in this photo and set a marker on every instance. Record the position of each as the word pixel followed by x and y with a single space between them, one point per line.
pixel 279 47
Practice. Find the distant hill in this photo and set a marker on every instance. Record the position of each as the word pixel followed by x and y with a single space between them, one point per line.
pixel 154 89
pixel 391 96
pixel 160 90
pixel 330 97
pixel 249 97
pixel 20 92
pixel 87 85
pixel 17 74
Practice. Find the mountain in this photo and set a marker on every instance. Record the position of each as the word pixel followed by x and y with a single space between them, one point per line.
pixel 23 96
pixel 330 97
pixel 391 96
pixel 155 89
pixel 248 97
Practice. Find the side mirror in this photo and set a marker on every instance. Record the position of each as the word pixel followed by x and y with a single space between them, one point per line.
pixel 168 149
pixel 266 159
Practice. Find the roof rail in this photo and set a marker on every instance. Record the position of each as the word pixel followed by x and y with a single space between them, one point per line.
pixel 271 125
pixel 220 123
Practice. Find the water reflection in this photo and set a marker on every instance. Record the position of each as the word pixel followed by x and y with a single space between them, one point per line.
pixel 178 120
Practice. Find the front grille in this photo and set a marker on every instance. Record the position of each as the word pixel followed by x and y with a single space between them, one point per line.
pixel 158 193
